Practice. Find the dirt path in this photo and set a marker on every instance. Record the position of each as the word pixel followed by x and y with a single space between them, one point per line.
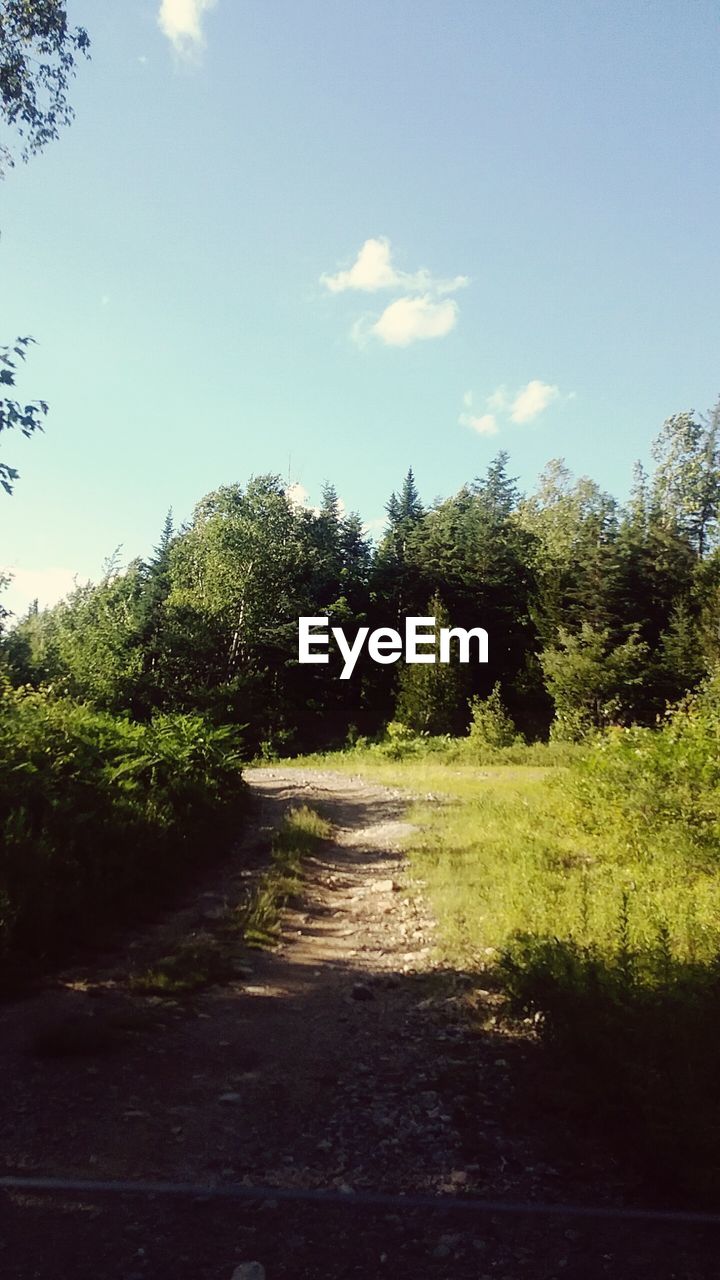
pixel 345 1059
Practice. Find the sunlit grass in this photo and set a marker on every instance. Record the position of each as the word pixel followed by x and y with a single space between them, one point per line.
pixel 606 927
pixel 503 851
pixel 302 832
pixel 209 958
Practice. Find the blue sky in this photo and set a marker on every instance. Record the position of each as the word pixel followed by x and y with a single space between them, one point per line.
pixel 335 240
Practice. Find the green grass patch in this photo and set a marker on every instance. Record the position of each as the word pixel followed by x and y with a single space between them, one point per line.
pixel 591 892
pixel 197 963
pixel 207 959
pixel 301 834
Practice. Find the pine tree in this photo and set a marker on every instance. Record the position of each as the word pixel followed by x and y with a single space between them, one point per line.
pixel 430 694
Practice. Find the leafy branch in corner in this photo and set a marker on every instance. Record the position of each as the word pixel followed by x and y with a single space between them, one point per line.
pixel 26 418
pixel 37 60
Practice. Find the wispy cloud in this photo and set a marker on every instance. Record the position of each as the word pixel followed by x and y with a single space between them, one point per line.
pixel 373 269
pixel 532 400
pixel 181 22
pixel 485 424
pixel 499 400
pixel 523 405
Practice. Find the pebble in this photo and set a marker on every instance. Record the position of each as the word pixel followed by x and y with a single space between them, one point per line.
pixel 249 1271
pixel 385 886
pixel 361 991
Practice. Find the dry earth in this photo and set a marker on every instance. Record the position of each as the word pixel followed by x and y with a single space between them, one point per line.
pixel 345 1059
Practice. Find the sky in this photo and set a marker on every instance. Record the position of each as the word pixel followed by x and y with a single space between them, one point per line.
pixel 332 241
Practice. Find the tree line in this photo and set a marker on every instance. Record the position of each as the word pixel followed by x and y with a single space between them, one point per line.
pixel 597 612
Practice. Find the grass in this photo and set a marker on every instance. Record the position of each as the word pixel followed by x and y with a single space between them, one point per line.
pixel 479 845
pixel 98 814
pixel 210 958
pixel 592 896
pixel 197 963
pixel 300 835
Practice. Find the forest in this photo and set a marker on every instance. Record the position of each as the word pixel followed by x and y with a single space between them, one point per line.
pixel 587 869
pixel 598 613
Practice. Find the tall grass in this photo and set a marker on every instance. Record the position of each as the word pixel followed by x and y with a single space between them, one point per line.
pixel 592 891
pixel 97 812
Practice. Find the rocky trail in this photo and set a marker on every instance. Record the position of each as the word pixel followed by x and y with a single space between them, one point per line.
pixel 344 1060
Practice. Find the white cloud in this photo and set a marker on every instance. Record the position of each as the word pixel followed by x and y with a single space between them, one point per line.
pixel 532 400
pixel 373 270
pixel 47 586
pixel 409 319
pixel 418 314
pixel 297 494
pixel 181 22
pixel 498 401
pixel 375 526
pixel 520 406
pixel 485 425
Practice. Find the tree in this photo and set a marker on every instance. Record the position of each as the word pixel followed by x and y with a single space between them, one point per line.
pixel 591 683
pixel 394 582
pixel 429 697
pixel 38 52
pixel 37 61
pixel 686 484
pixel 490 724
pixel 13 414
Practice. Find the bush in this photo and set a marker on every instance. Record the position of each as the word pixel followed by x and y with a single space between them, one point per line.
pixel 490 724
pixel 637 1043
pixel 627 977
pixel 97 810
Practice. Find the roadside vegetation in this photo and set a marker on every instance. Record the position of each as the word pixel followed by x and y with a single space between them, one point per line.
pixel 212 956
pixel 300 835
pixel 588 888
pixel 98 814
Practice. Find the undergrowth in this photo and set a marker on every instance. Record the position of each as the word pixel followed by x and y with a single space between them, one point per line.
pixel 208 958
pixel 98 814
pixel 592 892
pixel 302 832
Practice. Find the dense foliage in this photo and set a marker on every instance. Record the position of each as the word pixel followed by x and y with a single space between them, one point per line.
pixel 590 894
pixel 98 812
pixel 597 614
pixel 627 976
pixel 38 52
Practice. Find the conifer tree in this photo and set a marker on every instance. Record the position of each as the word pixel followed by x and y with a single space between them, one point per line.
pixel 430 694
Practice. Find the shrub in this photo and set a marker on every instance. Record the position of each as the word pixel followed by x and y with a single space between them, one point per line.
pixel 490 724
pixel 96 811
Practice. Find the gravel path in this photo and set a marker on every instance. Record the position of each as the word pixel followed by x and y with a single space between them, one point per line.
pixel 344 1059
